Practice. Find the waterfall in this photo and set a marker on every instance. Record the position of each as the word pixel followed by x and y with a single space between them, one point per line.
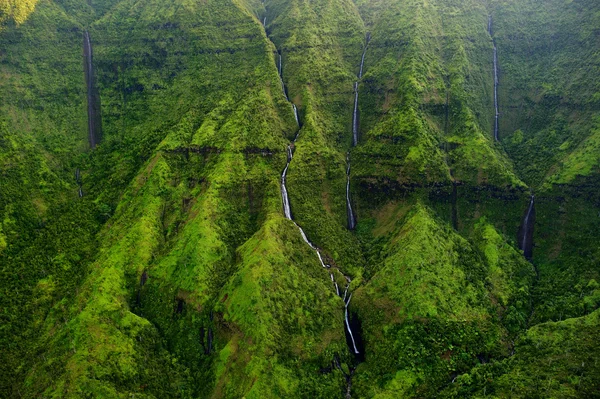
pixel 526 230
pixel 350 213
pixel 279 66
pixel 287 208
pixel 337 288
pixel 280 71
pixel 351 220
pixel 265 22
pixel 348 325
pixel 93 98
pixel 360 74
pixel 355 116
pixel 362 59
pixel 286 201
pixel 496 110
pixel 296 114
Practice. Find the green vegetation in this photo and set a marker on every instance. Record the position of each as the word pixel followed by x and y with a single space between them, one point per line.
pixel 176 275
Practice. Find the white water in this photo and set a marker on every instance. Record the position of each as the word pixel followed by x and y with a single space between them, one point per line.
pixel 348 325
pixel 286 202
pixel 355 116
pixel 296 115
pixel 279 66
pixel 362 62
pixel 280 70
pixel 351 220
pixel 337 288
pixel 526 223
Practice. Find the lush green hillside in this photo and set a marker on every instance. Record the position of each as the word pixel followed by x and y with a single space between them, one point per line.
pixel 160 264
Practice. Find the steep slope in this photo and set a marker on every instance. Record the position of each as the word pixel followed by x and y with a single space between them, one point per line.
pixel 548 103
pixel 552 360
pixel 298 198
pixel 425 114
pixel 46 232
pixel 437 305
pixel 320 44
pixel 211 183
pixel 549 94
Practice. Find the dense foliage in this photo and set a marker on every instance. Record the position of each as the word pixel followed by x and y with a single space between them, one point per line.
pixel 160 264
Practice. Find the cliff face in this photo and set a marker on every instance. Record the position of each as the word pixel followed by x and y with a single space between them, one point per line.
pixel 178 274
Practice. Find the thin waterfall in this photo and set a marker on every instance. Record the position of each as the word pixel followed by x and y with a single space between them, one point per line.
pixel 356 352
pixel 296 114
pixel 526 230
pixel 288 213
pixel 93 98
pixel 355 116
pixel 284 194
pixel 496 109
pixel 351 220
pixel 279 66
pixel 362 59
pixel 360 73
pixel 349 211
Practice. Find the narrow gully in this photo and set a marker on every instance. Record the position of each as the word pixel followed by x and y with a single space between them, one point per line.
pixel 352 344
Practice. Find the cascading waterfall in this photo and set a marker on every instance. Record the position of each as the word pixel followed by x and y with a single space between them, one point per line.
pixel 349 211
pixel 526 230
pixel 355 116
pixel 360 73
pixel 496 109
pixel 93 98
pixel 356 352
pixel 286 201
pixel 288 215
pixel 351 220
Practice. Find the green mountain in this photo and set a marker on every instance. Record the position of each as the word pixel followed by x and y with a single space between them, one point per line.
pixel 299 199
